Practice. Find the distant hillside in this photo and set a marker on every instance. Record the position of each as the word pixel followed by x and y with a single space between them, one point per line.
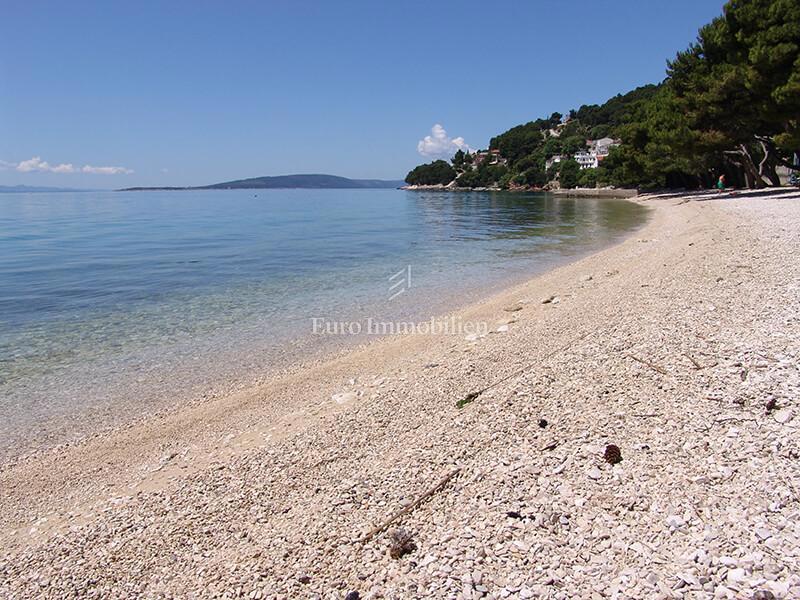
pixel 27 189
pixel 303 181
pixel 317 182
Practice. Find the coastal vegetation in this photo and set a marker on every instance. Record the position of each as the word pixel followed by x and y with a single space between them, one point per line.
pixel 438 172
pixel 729 105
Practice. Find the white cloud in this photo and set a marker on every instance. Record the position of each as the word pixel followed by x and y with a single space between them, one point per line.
pixel 36 164
pixel 440 145
pixel 106 170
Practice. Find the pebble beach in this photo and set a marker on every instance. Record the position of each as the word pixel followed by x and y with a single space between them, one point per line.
pixel 627 429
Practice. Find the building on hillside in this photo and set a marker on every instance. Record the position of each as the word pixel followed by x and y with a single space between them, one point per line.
pixel 590 158
pixel 602 146
pixel 596 151
pixel 586 160
pixel 557 158
pixel 493 156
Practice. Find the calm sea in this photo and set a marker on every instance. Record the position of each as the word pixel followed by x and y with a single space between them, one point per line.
pixel 112 303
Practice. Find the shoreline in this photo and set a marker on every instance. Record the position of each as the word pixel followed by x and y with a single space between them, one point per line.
pixel 611 193
pixel 126 397
pixel 317 457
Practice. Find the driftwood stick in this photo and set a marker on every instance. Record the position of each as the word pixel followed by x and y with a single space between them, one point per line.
pixel 403 511
pixel 727 419
pixel 696 364
pixel 474 395
pixel 649 364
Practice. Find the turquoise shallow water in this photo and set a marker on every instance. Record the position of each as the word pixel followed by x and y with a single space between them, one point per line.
pixel 112 301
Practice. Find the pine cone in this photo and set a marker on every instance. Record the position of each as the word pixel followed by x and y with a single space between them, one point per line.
pixel 613 454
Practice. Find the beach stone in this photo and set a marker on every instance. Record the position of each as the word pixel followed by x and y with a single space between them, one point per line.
pixel 779 588
pixel 783 416
pixel 763 533
pixel 344 397
pixel 736 576
pixel 704 507
pixel 675 522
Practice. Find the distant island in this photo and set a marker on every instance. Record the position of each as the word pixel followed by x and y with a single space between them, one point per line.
pixel 30 189
pixel 312 181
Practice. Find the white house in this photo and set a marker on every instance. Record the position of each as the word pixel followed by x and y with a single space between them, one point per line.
pixel 493 156
pixel 586 160
pixel 602 146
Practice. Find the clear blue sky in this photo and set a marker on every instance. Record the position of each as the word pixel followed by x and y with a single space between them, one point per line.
pixel 196 92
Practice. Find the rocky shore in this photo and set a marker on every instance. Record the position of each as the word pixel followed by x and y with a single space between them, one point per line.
pixel 628 429
pixel 583 192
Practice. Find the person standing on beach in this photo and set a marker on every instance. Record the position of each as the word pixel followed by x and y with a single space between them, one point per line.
pixel 721 183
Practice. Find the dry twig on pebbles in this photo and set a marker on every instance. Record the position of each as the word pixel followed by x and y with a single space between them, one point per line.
pixel 647 363
pixel 404 511
pixel 473 395
pixel 696 364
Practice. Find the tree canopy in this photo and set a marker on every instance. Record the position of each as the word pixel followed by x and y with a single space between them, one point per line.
pixel 730 104
pixel 738 86
pixel 439 172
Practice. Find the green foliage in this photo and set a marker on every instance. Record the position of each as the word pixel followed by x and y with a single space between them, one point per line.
pixel 468 179
pixel 534 176
pixel 519 141
pixel 657 148
pixel 730 104
pixel 600 131
pixel 505 180
pixel 738 86
pixel 485 175
pixel 568 173
pixel 616 111
pixel 437 172
pixel 587 178
pixel 572 144
pixel 459 159
pixel 552 146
